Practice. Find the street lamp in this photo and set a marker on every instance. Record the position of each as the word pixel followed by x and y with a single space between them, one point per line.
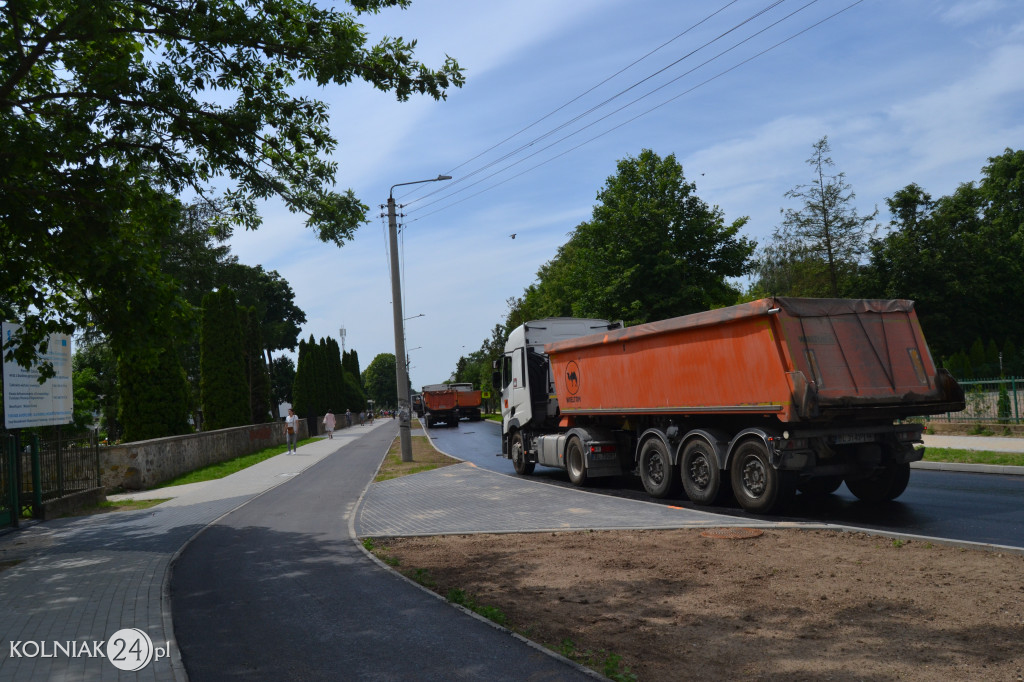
pixel 401 372
pixel 414 317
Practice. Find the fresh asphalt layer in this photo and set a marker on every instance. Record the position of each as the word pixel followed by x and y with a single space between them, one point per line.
pixel 279 590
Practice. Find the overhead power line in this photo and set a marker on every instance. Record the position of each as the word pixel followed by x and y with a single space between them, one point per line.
pixel 451 194
pixel 608 100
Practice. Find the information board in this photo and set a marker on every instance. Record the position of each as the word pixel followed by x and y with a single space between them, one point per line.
pixel 30 403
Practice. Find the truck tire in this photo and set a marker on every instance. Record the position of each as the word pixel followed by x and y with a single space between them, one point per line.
pixel 756 484
pixel 657 472
pixel 885 484
pixel 698 469
pixel 518 452
pixel 575 462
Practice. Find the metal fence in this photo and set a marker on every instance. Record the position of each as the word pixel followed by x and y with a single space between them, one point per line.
pixel 999 401
pixel 35 471
pixel 66 466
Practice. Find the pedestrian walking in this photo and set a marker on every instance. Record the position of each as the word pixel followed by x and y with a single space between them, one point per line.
pixel 348 417
pixel 329 424
pixel 291 423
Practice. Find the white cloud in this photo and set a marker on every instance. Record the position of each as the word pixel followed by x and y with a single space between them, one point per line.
pixel 963 13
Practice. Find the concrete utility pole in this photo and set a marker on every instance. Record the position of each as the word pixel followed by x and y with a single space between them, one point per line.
pixel 401 372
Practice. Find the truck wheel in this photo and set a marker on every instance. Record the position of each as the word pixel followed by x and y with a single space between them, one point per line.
pixel 656 470
pixel 574 462
pixel 519 463
pixel 756 484
pixel 698 468
pixel 885 484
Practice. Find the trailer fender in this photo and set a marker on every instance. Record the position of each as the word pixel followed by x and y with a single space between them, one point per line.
pixel 717 440
pixel 660 435
pixel 766 436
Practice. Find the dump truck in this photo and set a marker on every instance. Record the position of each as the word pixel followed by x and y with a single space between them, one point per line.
pixel 468 400
pixel 762 399
pixel 440 405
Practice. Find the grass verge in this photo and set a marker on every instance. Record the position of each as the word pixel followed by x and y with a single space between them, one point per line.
pixel 953 455
pixel 119 505
pixel 424 458
pixel 222 469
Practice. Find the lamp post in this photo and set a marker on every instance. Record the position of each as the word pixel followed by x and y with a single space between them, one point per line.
pixel 401 372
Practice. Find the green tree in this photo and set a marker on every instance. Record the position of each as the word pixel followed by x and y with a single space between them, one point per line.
pixel 350 361
pixel 651 250
pixel 379 381
pixel 817 249
pixel 274 300
pixel 282 375
pixel 257 375
pixel 108 109
pixel 94 357
pixel 303 388
pixel 959 257
pixel 223 383
pixel 154 396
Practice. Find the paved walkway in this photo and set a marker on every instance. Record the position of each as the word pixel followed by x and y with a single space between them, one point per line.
pixel 80 580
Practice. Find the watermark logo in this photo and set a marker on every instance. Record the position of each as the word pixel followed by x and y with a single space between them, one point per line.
pixel 128 649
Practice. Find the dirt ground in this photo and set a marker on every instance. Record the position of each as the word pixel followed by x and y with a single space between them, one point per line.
pixel 785 605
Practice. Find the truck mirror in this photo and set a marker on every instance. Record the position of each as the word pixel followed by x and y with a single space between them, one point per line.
pixel 496 381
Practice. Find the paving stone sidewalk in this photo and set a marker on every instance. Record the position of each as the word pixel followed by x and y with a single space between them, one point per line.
pixel 80 580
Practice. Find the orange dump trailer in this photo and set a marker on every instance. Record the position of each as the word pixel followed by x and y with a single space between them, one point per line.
pixel 440 405
pixel 764 398
pixel 468 400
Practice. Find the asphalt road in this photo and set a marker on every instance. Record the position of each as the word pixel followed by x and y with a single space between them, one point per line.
pixel 278 590
pixel 955 506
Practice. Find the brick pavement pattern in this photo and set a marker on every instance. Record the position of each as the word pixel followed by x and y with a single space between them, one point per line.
pixel 83 579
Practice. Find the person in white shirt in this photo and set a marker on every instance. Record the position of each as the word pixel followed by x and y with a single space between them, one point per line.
pixel 291 423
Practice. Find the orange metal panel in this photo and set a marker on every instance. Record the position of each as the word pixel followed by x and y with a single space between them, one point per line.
pixel 732 366
pixel 439 400
pixel 753 358
pixel 468 398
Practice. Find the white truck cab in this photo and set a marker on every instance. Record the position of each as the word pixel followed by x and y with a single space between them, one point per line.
pixel 527 393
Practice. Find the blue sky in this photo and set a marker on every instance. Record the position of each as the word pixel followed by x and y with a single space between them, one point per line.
pixel 906 90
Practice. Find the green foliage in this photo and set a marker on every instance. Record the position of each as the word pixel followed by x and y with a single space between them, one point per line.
pixel 961 257
pixel 110 109
pixel 303 396
pixel 257 376
pixel 96 386
pixel 816 250
pixel 223 382
pixel 652 250
pixel 976 355
pixel 1003 412
pixel 379 381
pixel 154 396
pixel 350 361
pixel 86 400
pixel 322 382
pixel 282 375
pixel 272 297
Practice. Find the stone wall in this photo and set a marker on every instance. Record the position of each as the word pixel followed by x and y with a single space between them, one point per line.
pixel 146 463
